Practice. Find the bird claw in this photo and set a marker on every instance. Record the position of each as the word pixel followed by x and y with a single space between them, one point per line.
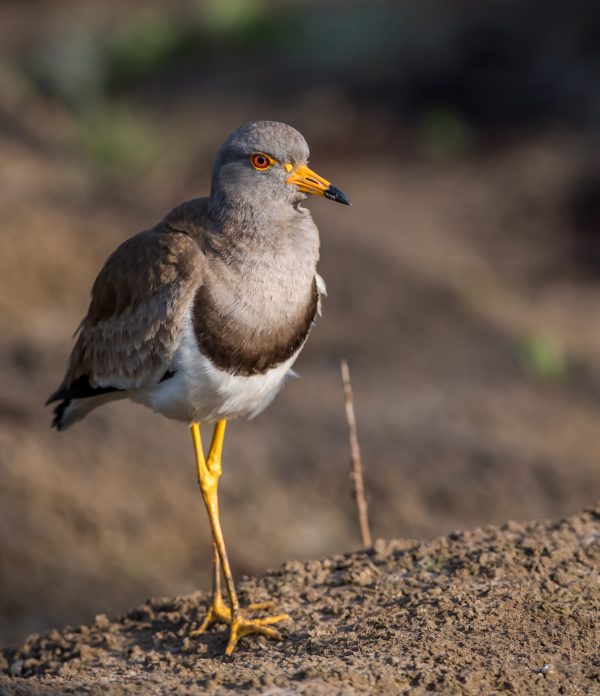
pixel 219 612
pixel 241 627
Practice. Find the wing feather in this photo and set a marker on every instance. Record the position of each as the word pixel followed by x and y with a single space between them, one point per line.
pixel 138 306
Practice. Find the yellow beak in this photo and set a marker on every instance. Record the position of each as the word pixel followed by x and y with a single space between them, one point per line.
pixel 308 181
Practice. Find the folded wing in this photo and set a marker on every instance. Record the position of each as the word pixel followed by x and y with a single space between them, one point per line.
pixel 138 306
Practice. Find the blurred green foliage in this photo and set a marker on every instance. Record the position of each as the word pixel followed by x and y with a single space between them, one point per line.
pixel 444 76
pixel 138 49
pixel 232 16
pixel 542 357
pixel 117 139
pixel 444 133
pixel 80 63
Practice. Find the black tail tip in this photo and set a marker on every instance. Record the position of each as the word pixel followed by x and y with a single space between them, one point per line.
pixel 59 412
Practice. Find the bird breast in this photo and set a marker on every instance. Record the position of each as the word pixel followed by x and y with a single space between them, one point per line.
pixel 259 303
pixel 250 337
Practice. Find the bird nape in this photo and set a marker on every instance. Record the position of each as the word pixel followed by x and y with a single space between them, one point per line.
pixel 202 316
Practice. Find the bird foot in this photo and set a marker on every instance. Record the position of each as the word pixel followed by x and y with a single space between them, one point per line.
pixel 218 612
pixel 241 626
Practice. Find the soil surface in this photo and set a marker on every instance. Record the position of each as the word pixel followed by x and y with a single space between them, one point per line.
pixel 510 608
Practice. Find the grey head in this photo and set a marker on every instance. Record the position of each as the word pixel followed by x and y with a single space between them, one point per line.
pixel 262 166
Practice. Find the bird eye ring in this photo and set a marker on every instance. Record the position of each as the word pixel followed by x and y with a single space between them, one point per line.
pixel 261 161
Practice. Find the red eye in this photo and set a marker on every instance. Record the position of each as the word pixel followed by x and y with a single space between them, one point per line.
pixel 260 161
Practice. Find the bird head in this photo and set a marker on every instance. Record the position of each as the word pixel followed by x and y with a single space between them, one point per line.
pixel 265 163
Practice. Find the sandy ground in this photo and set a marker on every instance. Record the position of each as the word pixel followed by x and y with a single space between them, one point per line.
pixel 499 609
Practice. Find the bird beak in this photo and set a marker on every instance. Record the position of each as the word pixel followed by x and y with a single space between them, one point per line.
pixel 308 181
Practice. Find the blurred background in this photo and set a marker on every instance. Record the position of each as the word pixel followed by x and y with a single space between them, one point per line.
pixel 463 282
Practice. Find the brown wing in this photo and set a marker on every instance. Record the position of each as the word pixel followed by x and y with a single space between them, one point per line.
pixel 138 306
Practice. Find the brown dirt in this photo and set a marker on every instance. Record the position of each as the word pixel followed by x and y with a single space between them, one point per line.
pixel 512 608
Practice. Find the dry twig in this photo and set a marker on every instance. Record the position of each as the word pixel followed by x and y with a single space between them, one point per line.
pixel 358 486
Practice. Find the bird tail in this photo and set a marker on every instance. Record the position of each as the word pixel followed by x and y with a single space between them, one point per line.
pixel 76 399
pixel 69 411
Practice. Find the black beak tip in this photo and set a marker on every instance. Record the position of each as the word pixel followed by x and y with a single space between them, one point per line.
pixel 334 194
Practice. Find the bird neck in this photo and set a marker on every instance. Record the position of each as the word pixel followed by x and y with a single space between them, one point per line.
pixel 276 255
pixel 247 234
pixel 235 215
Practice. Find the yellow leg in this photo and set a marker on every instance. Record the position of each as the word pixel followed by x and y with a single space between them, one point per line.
pixel 218 610
pixel 209 472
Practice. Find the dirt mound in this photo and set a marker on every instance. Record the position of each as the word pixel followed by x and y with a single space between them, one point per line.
pixel 510 608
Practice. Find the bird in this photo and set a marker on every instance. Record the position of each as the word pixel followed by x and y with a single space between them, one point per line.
pixel 202 316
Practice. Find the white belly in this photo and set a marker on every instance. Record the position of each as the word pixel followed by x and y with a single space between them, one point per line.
pixel 201 392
